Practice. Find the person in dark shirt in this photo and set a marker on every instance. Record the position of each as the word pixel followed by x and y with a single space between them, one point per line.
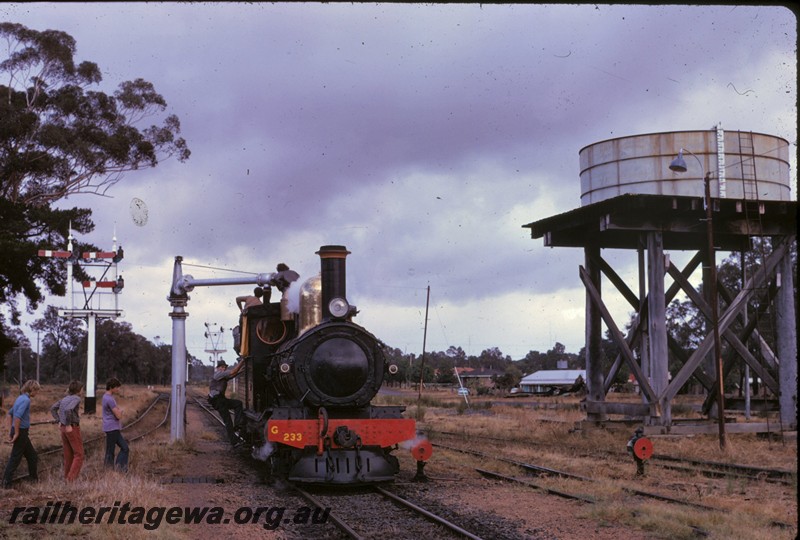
pixel 638 434
pixel 223 405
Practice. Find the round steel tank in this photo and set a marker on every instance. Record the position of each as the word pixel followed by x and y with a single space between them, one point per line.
pixel 755 165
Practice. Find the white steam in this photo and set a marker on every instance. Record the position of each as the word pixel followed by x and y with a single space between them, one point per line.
pixel 411 443
pixel 263 452
pixel 293 297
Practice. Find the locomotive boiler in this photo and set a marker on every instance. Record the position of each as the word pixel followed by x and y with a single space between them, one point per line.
pixel 310 377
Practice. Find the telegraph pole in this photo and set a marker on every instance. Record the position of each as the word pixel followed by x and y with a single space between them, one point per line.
pixel 715 314
pixel 424 339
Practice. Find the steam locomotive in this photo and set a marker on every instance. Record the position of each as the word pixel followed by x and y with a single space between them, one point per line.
pixel 309 381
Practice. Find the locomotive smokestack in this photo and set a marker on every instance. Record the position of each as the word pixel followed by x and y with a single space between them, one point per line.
pixel 333 274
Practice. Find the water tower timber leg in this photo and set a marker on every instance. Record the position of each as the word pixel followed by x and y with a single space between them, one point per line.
pixel 638 327
pixel 603 407
pixel 642 325
pixel 657 325
pixel 787 340
pixel 595 387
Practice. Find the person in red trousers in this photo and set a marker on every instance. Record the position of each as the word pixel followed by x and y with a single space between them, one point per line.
pixel 65 412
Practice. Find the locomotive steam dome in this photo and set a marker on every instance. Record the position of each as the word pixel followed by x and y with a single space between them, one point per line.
pixel 737 161
pixel 310 304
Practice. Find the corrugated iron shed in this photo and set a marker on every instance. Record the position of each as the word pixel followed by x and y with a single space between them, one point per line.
pixel 548 377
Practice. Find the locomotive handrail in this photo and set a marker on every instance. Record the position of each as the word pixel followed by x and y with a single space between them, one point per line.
pixel 323 417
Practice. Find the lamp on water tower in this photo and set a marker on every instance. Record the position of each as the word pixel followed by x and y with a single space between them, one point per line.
pixel 679 164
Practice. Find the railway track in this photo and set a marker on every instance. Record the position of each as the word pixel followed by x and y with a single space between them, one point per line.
pixel 371 511
pixel 706 468
pixel 50 459
pixel 546 471
pixel 363 513
pixel 389 515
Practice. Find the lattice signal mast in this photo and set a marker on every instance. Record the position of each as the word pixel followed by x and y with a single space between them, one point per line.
pixel 215 342
pixel 98 298
pixel 215 345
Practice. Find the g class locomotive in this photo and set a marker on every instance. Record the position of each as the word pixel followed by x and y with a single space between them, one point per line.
pixel 310 378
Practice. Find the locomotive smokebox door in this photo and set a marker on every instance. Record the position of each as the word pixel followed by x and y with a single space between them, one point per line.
pixel 643 448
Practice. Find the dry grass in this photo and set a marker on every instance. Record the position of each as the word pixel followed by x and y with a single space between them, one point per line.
pixel 543 424
pixel 556 438
pixel 682 523
pixel 96 486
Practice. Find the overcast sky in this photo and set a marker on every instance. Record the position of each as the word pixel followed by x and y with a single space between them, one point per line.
pixel 422 137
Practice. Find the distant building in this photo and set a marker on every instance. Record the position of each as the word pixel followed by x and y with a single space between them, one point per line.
pixel 553 381
pixel 478 377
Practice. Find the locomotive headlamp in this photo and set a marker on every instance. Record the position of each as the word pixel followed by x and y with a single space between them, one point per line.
pixel 393 369
pixel 338 307
pixel 285 368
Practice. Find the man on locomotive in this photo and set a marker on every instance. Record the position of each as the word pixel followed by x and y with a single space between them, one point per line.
pixel 223 405
pixel 244 302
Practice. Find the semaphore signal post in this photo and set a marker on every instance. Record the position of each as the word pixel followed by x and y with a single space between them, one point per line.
pixel 97 298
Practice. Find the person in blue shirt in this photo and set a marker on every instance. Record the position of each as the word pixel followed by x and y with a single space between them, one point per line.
pixel 20 424
pixel 112 427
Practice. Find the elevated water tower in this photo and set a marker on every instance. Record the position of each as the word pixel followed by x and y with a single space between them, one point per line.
pixel 701 191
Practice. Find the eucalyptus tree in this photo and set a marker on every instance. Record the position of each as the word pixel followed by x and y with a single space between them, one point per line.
pixel 63 344
pixel 61 135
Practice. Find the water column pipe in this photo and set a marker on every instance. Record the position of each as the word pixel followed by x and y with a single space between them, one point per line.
pixel 178 299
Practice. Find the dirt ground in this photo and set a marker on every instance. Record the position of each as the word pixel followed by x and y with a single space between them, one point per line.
pixel 212 474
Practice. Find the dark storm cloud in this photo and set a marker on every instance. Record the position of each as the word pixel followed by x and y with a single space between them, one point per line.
pixel 421 136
